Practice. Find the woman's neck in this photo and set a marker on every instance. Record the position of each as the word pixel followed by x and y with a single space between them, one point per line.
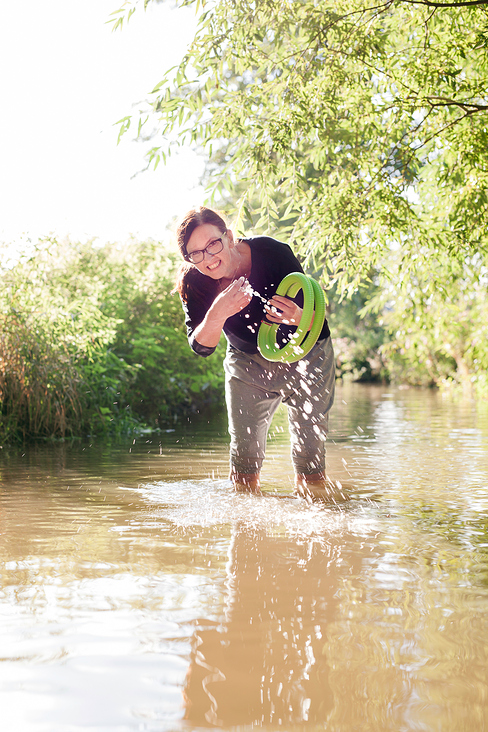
pixel 242 261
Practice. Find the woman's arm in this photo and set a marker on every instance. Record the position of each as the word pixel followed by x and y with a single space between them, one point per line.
pixel 229 302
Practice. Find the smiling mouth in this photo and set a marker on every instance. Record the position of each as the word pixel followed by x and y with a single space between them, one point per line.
pixel 213 266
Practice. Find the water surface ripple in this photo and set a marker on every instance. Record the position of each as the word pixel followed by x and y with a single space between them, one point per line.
pixel 137 592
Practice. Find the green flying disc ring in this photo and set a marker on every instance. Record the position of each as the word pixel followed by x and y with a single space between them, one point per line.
pixel 307 333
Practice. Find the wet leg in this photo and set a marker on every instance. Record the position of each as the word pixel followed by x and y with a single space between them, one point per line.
pixel 318 487
pixel 308 413
pixel 245 482
pixel 250 408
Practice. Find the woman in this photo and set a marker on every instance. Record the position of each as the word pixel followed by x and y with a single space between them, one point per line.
pixel 228 285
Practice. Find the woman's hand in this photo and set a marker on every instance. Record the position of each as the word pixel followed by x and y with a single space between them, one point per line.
pixel 281 309
pixel 232 300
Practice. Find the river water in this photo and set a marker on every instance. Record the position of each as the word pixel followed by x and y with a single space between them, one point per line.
pixel 137 592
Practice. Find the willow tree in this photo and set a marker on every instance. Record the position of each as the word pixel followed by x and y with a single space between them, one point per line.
pixel 357 128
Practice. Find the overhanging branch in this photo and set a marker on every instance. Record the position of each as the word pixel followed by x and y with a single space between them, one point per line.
pixel 458 4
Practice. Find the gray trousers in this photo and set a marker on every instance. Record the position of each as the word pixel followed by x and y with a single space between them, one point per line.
pixel 254 387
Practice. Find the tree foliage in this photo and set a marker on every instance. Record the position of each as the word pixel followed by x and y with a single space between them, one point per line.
pixel 368 120
pixel 356 130
pixel 440 331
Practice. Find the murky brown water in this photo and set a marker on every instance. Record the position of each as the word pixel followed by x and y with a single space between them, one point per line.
pixel 138 593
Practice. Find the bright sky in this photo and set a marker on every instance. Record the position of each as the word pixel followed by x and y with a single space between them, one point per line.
pixel 65 79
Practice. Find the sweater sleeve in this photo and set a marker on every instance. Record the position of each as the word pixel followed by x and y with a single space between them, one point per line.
pixel 192 323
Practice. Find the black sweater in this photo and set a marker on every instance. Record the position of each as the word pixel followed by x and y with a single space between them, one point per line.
pixel 271 261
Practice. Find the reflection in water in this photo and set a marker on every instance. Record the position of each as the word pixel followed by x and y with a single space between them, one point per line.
pixel 345 635
pixel 266 663
pixel 137 592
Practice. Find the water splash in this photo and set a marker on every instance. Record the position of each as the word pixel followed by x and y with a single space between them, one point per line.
pixel 206 503
pixel 247 288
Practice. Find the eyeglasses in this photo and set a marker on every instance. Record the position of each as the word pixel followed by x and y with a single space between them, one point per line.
pixel 214 247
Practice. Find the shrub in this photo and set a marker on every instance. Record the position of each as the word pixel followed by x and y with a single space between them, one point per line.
pixel 92 341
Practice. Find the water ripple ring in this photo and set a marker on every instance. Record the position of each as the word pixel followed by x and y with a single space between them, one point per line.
pixel 307 333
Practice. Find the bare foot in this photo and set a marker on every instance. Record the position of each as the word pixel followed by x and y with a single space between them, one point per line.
pixel 319 488
pixel 245 482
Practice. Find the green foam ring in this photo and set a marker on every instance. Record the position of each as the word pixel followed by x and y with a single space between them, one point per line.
pixel 305 337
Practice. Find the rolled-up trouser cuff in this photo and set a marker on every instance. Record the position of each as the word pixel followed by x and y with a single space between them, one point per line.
pixel 243 465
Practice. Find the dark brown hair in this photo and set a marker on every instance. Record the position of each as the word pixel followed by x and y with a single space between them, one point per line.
pixel 188 277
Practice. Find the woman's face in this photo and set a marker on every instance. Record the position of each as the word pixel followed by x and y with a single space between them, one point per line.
pixel 218 265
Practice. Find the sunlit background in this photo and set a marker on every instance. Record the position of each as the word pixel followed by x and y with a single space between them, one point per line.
pixel 66 79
